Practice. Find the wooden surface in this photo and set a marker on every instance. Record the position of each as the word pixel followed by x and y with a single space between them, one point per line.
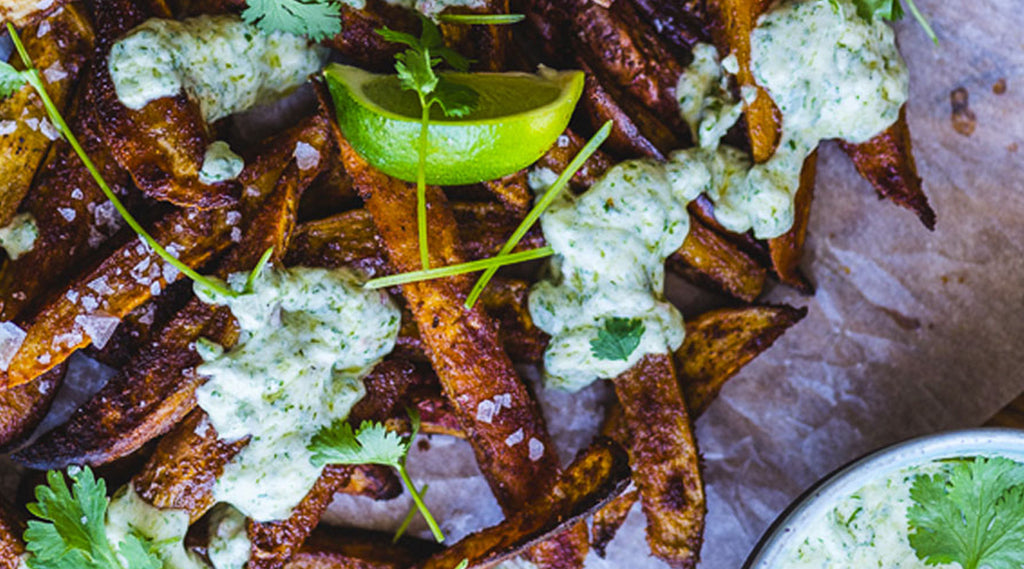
pixel 1011 416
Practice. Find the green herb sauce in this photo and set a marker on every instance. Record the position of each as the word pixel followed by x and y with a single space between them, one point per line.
pixel 19 236
pixel 224 64
pixel 220 164
pixel 129 513
pixel 309 337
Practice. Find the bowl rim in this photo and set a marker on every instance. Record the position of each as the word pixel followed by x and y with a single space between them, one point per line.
pixel 843 481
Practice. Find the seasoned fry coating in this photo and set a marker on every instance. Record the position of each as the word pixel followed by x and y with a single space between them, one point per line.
pixel 664 459
pixel 887 161
pixel 609 519
pixel 59 45
pixel 24 406
pixel 335 548
pixel 787 249
pixel 11 546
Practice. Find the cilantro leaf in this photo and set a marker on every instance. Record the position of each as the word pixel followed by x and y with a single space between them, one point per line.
pixel 371 444
pixel 11 80
pixel 892 10
pixel 315 19
pixel 618 339
pixel 972 513
pixel 455 99
pixel 72 533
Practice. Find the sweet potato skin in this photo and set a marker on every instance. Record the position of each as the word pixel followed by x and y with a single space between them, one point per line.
pixel 787 250
pixel 11 546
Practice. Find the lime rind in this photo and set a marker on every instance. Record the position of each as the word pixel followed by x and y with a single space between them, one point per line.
pixel 459 152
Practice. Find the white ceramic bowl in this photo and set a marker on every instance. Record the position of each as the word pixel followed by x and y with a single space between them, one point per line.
pixel 826 494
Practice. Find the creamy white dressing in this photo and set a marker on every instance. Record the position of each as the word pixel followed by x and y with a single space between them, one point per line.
pixel 832 75
pixel 19 236
pixel 229 546
pixel 129 514
pixel 225 64
pixel 220 164
pixel 309 337
pixel 867 529
pixel 610 249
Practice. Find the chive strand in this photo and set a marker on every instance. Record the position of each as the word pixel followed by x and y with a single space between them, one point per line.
pixel 422 507
pixel 923 21
pixel 462 268
pixel 421 188
pixel 542 204
pixel 408 517
pixel 482 19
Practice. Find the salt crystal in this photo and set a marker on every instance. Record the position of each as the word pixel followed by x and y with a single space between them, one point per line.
pixel 44 359
pixel 138 272
pixel 44 4
pixel 233 217
pixel 252 191
pixel 77 193
pixel 154 288
pixel 306 157
pixel 98 327
pixel 67 340
pixel 148 315
pixel 44 387
pixel 563 141
pixel 175 250
pixel 33 123
pixel 100 286
pixel 536 449
pixel 48 130
pixel 11 339
pixel 55 73
pixel 503 400
pixel 236 235
pixel 485 411
pixel 44 29
pixel 515 438
pixel 67 213
pixel 7 127
pixel 106 216
pixel 72 295
pixel 89 303
pixel 170 273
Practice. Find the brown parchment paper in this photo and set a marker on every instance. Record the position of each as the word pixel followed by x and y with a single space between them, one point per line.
pixel 910 332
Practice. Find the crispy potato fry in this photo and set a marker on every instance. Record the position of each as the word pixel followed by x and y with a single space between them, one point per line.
pixel 513 192
pixel 734 20
pixel 11 546
pixel 609 519
pixel 887 161
pixel 682 23
pixel 361 44
pixel 59 45
pixel 708 259
pixel 24 406
pixel 335 548
pixel 486 45
pixel 720 342
pixel 597 475
pixel 163 144
pixel 26 12
pixel 665 461
pixel 462 344
pixel 787 249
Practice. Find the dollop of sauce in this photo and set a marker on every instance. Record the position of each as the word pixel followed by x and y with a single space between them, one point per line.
pixel 867 529
pixel 19 236
pixel 832 75
pixel 225 64
pixel 229 546
pixel 220 164
pixel 610 249
pixel 129 514
pixel 308 338
pixel 432 8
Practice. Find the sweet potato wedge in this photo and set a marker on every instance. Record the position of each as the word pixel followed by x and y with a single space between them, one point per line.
pixel 598 474
pixel 59 45
pixel 26 12
pixel 719 343
pixel 664 460
pixel 887 161
pixel 359 42
pixel 683 24
pixel 609 519
pixel 24 406
pixel 163 144
pixel 11 546
pixel 787 249
pixel 488 45
pixel 336 548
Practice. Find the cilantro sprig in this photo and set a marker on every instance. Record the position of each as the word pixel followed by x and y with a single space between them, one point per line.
pixel 416 72
pixel 372 443
pixel 71 534
pixel 892 10
pixel 11 80
pixel 315 19
pixel 971 513
pixel 618 339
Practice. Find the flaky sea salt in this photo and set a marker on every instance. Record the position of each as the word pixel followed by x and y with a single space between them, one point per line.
pixel 536 449
pixel 67 213
pixel 98 327
pixel 485 411
pixel 515 438
pixel 306 157
pixel 8 127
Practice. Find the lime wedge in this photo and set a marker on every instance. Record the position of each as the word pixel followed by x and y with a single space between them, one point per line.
pixel 517 120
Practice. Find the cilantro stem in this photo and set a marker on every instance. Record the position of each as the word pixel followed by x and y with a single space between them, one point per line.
pixel 923 21
pixel 421 187
pixel 482 19
pixel 542 204
pixel 408 517
pixel 461 268
pixel 34 79
pixel 431 522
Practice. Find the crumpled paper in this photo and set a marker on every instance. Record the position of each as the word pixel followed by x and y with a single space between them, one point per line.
pixel 910 331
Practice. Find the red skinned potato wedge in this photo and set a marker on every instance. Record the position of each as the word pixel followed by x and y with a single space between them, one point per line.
pixel 664 461
pixel 887 161
pixel 59 45
pixel 719 343
pixel 597 475
pixel 11 546
pixel 163 144
pixel 787 249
